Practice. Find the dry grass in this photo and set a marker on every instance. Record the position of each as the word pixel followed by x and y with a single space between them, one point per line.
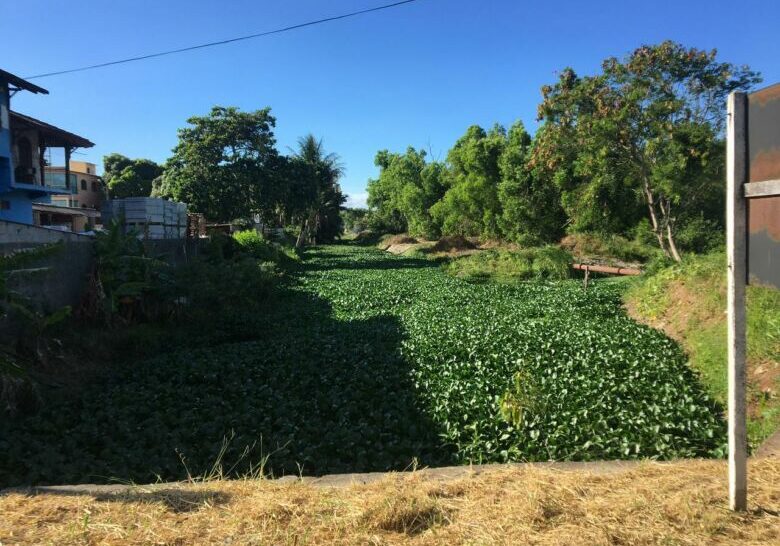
pixel 454 243
pixel 682 503
pixel 392 240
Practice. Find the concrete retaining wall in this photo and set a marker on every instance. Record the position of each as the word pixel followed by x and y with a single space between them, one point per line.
pixel 56 279
pixel 61 278
pixel 26 234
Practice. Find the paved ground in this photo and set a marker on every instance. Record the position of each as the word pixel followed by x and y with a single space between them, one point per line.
pixel 770 447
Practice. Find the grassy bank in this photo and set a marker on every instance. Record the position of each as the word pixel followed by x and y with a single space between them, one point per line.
pixel 688 302
pixel 681 503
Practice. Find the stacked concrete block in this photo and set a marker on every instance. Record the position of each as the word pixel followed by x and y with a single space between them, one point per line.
pixel 150 217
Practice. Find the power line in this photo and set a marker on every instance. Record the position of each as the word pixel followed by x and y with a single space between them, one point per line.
pixel 223 42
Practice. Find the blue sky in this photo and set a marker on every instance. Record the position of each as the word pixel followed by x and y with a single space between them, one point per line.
pixel 415 75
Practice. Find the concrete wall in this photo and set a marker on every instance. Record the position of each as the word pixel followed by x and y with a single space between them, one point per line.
pixel 57 279
pixel 61 278
pixel 17 232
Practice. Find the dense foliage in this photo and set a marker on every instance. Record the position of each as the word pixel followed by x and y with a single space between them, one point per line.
pixel 127 177
pixel 550 262
pixel 226 166
pixel 407 187
pixel 316 199
pixel 29 342
pixel 354 220
pixel 635 150
pixel 368 361
pixel 643 133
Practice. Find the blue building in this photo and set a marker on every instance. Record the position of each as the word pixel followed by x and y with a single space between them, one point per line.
pixel 23 145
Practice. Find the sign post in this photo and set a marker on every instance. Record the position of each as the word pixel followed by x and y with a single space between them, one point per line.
pixel 752 246
pixel 736 248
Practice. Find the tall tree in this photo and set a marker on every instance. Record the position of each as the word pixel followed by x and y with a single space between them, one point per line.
pixel 225 165
pixel 470 205
pixel 530 202
pixel 316 196
pixel 405 190
pixel 645 131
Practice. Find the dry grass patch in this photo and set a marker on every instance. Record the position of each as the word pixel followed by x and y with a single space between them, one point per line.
pixel 393 240
pixel 681 503
pixel 453 244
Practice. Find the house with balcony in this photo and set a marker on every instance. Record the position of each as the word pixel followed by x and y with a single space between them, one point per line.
pixel 24 142
pixel 87 189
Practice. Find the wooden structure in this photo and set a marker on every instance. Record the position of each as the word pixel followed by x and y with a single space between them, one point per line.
pixel 608 269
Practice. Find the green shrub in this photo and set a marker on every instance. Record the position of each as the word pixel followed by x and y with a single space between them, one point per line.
pixel 368 238
pixel 550 262
pixel 252 243
pixel 700 235
pixel 592 245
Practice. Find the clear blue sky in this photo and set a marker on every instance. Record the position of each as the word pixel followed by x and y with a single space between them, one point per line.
pixel 415 75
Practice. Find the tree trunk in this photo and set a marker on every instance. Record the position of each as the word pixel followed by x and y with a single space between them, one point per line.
pixel 672 245
pixel 302 234
pixel 657 230
pixel 315 229
pixel 668 221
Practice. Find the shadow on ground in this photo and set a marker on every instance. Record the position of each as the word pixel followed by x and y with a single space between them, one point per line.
pixel 176 499
pixel 309 394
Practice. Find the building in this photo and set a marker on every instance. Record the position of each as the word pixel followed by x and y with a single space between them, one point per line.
pixel 23 144
pixel 86 187
pixel 65 218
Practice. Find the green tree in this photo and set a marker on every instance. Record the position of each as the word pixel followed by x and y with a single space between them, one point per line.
pixel 225 165
pixel 471 206
pixel 645 132
pixel 127 177
pixel 407 187
pixel 315 196
pixel 354 220
pixel 530 202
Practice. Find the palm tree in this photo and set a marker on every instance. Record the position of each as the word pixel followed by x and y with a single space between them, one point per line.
pixel 320 219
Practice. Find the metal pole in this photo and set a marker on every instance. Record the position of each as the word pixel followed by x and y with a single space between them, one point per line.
pixel 736 246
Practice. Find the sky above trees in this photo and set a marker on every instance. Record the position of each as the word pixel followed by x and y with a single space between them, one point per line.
pixel 416 75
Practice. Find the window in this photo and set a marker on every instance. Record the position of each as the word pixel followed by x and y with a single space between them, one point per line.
pixel 83 184
pixel 94 186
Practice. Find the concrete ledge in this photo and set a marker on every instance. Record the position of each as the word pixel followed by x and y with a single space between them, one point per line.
pixel 769 449
pixel 441 474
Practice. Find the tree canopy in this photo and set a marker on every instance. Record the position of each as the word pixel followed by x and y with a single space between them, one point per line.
pixel 635 150
pixel 315 200
pixel 225 164
pixel 644 133
pixel 406 189
pixel 127 177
